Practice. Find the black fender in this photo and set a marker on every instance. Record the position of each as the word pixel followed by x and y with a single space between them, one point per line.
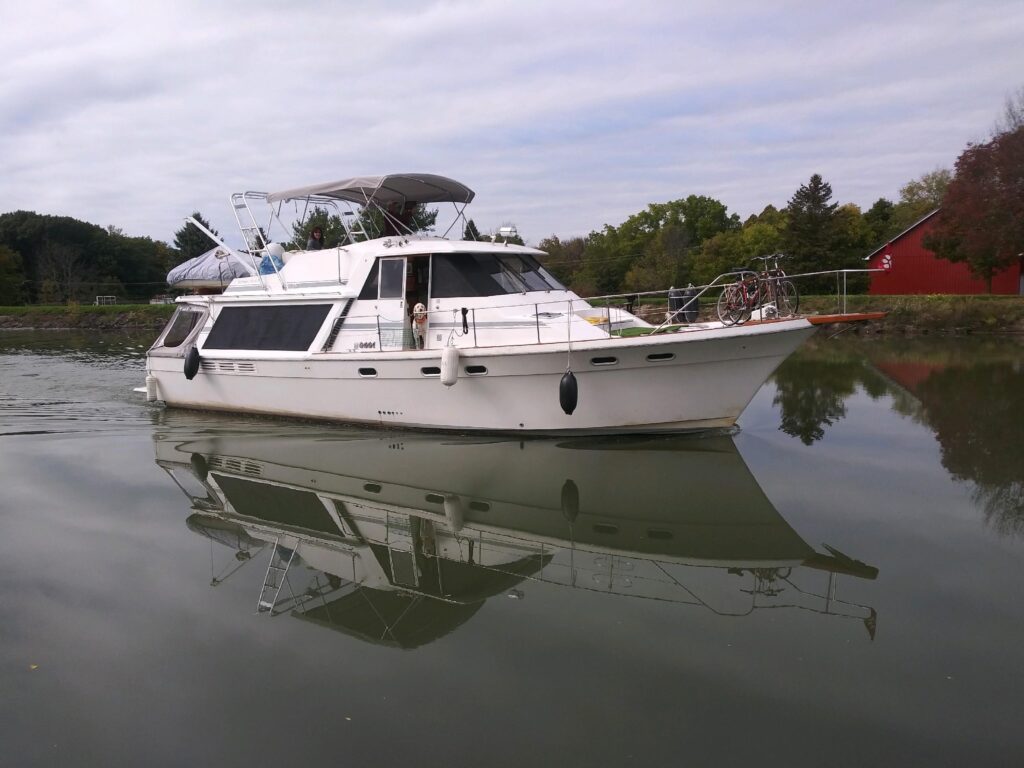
pixel 568 393
pixel 191 363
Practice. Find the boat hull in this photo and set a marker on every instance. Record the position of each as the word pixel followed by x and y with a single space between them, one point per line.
pixel 668 383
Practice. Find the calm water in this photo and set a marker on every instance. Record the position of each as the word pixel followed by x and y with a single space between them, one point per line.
pixel 836 584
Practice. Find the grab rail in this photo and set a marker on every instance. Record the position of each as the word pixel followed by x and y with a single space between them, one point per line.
pixel 547 315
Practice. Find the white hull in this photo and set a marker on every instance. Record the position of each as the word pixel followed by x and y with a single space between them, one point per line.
pixel 710 379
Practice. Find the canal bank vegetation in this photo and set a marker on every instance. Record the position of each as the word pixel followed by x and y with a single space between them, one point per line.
pixel 85 317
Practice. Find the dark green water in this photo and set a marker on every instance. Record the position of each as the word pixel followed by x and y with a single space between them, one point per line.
pixel 836 584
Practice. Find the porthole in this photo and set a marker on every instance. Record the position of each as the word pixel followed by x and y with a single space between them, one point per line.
pixel 604 360
pixel 476 370
pixel 430 370
pixel 480 506
pixel 606 528
pixel 368 372
pixel 434 498
pixel 371 487
pixel 660 357
pixel 659 534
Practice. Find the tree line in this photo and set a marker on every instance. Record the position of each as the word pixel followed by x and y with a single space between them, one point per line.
pixel 58 259
pixel 695 239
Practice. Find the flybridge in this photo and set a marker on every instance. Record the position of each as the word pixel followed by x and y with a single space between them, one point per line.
pixel 368 207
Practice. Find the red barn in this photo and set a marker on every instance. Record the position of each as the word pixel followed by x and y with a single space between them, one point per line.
pixel 912 268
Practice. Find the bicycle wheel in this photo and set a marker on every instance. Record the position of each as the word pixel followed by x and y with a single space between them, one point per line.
pixel 732 309
pixel 787 299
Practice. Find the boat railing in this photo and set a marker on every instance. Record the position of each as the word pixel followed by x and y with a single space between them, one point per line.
pixel 553 321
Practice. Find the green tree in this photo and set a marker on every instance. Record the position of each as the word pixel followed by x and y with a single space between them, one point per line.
pixel 374 223
pixel 982 218
pixel 652 249
pixel 810 236
pixel 471 232
pixel 879 219
pixel 918 198
pixel 331 224
pixel 12 277
pixel 564 258
pixel 190 241
pixel 720 254
pixel 809 229
pixel 761 234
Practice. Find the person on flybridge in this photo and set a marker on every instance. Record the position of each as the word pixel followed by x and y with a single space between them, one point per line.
pixel 316 240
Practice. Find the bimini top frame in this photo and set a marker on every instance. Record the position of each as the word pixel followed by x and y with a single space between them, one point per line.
pixel 405 188
pixel 391 195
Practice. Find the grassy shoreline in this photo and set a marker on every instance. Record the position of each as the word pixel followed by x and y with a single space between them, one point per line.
pixel 906 314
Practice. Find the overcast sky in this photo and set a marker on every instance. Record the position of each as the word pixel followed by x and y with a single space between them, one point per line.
pixel 562 116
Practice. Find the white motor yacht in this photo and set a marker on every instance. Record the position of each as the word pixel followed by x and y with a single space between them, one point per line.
pixel 399 329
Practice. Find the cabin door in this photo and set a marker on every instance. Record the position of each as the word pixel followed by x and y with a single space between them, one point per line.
pixel 392 315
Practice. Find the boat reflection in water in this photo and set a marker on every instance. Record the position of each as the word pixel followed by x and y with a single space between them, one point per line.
pixel 399 539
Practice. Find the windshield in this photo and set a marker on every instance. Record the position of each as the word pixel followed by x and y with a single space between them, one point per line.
pixel 488 274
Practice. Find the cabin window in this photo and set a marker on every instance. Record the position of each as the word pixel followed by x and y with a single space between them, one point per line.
pixel 286 328
pixel 392 278
pixel 181 325
pixel 369 292
pixel 275 504
pixel 488 274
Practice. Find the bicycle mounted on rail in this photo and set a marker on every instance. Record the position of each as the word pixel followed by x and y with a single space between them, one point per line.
pixel 767 291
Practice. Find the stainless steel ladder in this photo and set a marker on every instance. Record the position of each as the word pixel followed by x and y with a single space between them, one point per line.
pixel 275 577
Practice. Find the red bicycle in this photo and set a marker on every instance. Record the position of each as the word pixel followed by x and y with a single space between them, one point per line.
pixel 768 290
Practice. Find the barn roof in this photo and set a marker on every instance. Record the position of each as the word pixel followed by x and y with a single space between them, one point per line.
pixel 892 240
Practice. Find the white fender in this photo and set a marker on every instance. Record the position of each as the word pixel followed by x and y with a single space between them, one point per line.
pixel 151 391
pixel 449 365
pixel 454 512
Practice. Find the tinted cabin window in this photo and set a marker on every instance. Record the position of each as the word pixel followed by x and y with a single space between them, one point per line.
pixel 488 274
pixel 369 292
pixel 181 326
pixel 285 328
pixel 392 278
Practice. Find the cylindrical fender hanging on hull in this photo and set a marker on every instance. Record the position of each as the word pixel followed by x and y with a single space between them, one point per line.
pixel 568 392
pixel 454 512
pixel 449 366
pixel 191 363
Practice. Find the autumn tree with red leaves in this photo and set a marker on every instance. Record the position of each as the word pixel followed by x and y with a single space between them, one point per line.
pixel 982 218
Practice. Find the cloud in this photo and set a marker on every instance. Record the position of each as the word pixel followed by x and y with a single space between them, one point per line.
pixel 563 117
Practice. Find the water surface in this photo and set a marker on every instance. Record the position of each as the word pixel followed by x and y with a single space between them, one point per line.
pixel 837 583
